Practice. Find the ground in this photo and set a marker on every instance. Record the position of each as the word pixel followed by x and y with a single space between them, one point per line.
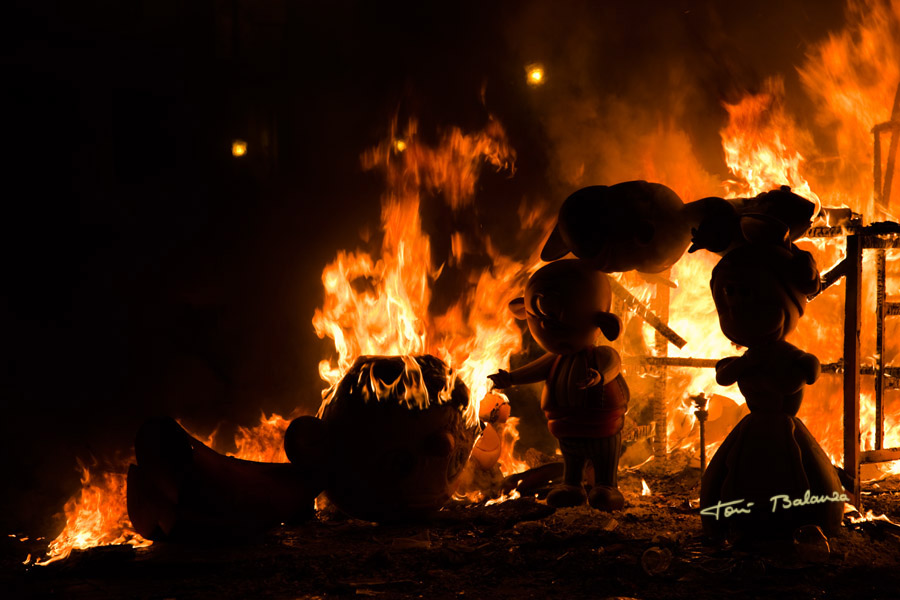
pixel 521 548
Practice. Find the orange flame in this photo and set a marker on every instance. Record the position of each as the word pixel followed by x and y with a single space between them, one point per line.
pixel 382 305
pixel 263 442
pixel 97 516
pixel 761 145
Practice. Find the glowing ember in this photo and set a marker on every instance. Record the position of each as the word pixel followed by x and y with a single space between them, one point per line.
pixel 870 516
pixel 534 74
pixel 645 489
pixel 238 148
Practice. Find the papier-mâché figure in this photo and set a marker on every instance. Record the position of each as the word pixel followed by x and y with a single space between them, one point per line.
pixel 585 396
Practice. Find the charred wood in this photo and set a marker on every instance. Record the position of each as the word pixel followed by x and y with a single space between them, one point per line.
pixel 645 313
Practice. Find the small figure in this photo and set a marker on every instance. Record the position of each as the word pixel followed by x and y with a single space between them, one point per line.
pixel 493 412
pixel 760 290
pixel 585 396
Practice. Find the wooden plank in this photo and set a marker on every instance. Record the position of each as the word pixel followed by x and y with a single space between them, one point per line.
pixel 645 313
pixel 887 241
pixel 879 456
pixel 852 302
pixel 660 407
pixel 879 348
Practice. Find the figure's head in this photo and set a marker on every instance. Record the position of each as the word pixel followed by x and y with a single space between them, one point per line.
pixel 760 288
pixel 565 303
pixel 631 225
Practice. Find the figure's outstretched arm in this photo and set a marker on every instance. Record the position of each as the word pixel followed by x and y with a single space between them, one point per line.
pixel 536 370
pixel 729 370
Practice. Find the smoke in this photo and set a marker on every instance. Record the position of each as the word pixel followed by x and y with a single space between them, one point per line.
pixel 636 90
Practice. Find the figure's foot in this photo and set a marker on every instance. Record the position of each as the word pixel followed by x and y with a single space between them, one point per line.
pixel 606 497
pixel 565 495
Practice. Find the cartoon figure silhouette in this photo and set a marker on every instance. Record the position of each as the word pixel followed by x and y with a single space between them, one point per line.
pixel 719 227
pixel 760 290
pixel 634 225
pixel 644 226
pixel 584 397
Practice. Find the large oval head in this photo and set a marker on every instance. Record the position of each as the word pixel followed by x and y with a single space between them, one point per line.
pixel 565 303
pixel 631 225
pixel 760 288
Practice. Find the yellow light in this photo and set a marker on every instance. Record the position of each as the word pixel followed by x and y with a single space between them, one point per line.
pixel 399 145
pixel 238 148
pixel 535 74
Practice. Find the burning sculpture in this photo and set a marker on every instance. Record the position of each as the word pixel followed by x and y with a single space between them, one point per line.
pixel 392 439
pixel 770 475
pixel 585 395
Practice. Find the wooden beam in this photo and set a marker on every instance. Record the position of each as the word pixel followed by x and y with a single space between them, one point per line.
pixel 852 301
pixel 879 456
pixel 879 347
pixel 645 313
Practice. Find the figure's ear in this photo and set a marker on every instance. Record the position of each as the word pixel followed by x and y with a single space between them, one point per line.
pixel 517 307
pixel 609 324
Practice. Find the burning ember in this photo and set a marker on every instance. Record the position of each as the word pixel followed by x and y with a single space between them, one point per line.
pixel 534 74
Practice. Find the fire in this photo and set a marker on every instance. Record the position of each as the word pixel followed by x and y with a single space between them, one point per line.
pixel 645 489
pixel 852 79
pixel 264 442
pixel 761 145
pixel 508 462
pixel 97 516
pixel 380 303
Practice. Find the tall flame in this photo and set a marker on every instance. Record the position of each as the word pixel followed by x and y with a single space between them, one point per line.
pixel 761 144
pixel 382 303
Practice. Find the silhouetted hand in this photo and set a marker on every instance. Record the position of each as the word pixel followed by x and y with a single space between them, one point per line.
pixel 502 379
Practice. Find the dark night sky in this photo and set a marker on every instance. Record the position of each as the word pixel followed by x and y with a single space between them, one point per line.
pixel 148 272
